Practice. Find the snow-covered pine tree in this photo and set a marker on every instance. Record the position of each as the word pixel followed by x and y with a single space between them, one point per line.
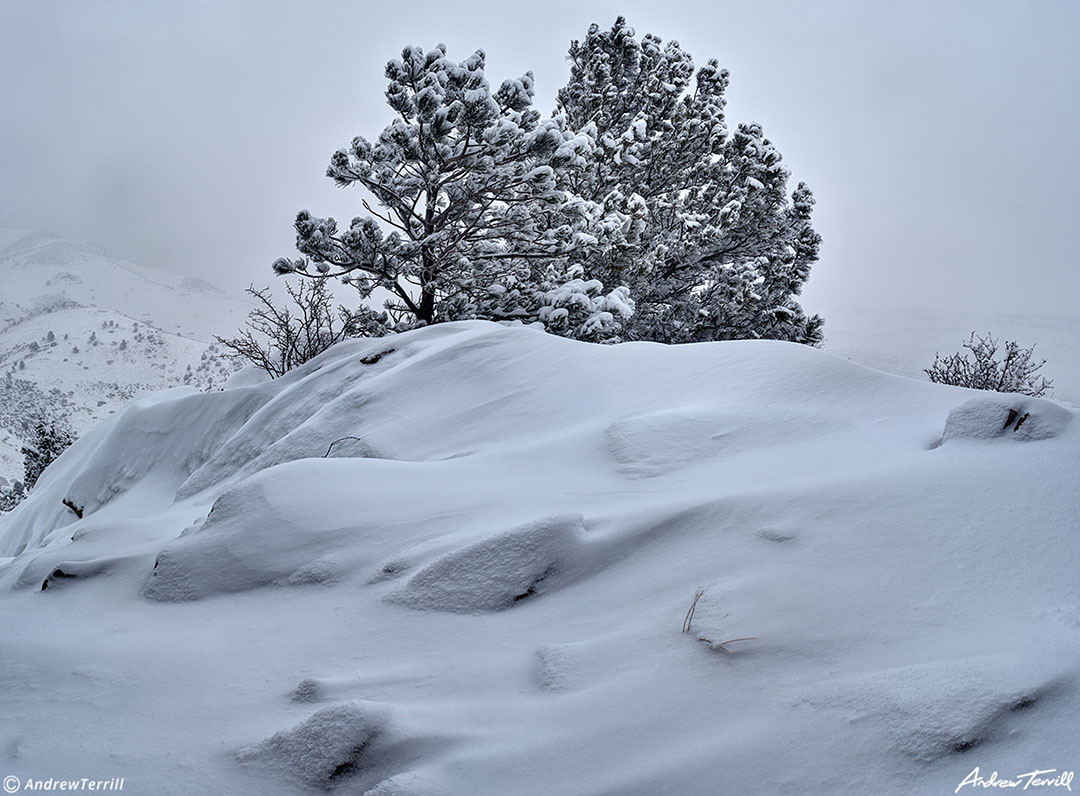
pixel 51 437
pixel 471 218
pixel 720 250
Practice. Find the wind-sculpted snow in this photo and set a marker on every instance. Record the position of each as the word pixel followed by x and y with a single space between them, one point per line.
pixel 660 443
pixel 241 546
pixel 478 560
pixel 311 409
pixel 933 711
pixel 152 446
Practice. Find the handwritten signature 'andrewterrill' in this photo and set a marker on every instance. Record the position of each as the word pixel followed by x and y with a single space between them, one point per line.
pixel 1046 778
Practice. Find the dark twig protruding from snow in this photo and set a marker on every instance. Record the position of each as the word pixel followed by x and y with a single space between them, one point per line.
pixel 335 442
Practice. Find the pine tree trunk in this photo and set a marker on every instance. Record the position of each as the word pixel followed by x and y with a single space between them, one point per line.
pixel 429 269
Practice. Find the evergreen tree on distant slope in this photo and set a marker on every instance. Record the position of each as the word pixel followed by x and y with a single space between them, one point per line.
pixel 471 220
pixel 11 496
pixel 51 437
pixel 721 250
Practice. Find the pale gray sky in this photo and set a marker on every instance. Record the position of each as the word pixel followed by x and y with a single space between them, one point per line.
pixel 938 136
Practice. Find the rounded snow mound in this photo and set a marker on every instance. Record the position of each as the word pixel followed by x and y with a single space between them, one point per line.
pixel 332 745
pixel 244 545
pixel 931 711
pixel 498 572
pixel 1007 415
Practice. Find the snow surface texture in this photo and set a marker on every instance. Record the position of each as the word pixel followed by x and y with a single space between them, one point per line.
pixel 82 333
pixel 459 561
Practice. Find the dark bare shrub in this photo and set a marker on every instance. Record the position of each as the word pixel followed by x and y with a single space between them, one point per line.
pixel 980 369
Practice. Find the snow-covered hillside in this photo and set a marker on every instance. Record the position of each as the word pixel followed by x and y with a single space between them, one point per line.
pixel 81 333
pixel 460 561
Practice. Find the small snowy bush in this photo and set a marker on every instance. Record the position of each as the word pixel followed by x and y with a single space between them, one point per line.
pixel 981 370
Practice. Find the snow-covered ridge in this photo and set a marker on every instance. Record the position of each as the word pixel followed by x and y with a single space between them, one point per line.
pixel 459 560
pixel 92 278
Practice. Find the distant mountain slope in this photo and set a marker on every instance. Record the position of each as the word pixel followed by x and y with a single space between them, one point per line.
pixel 36 268
pixel 82 332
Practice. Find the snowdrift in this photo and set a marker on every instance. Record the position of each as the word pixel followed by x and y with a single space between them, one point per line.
pixel 460 561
